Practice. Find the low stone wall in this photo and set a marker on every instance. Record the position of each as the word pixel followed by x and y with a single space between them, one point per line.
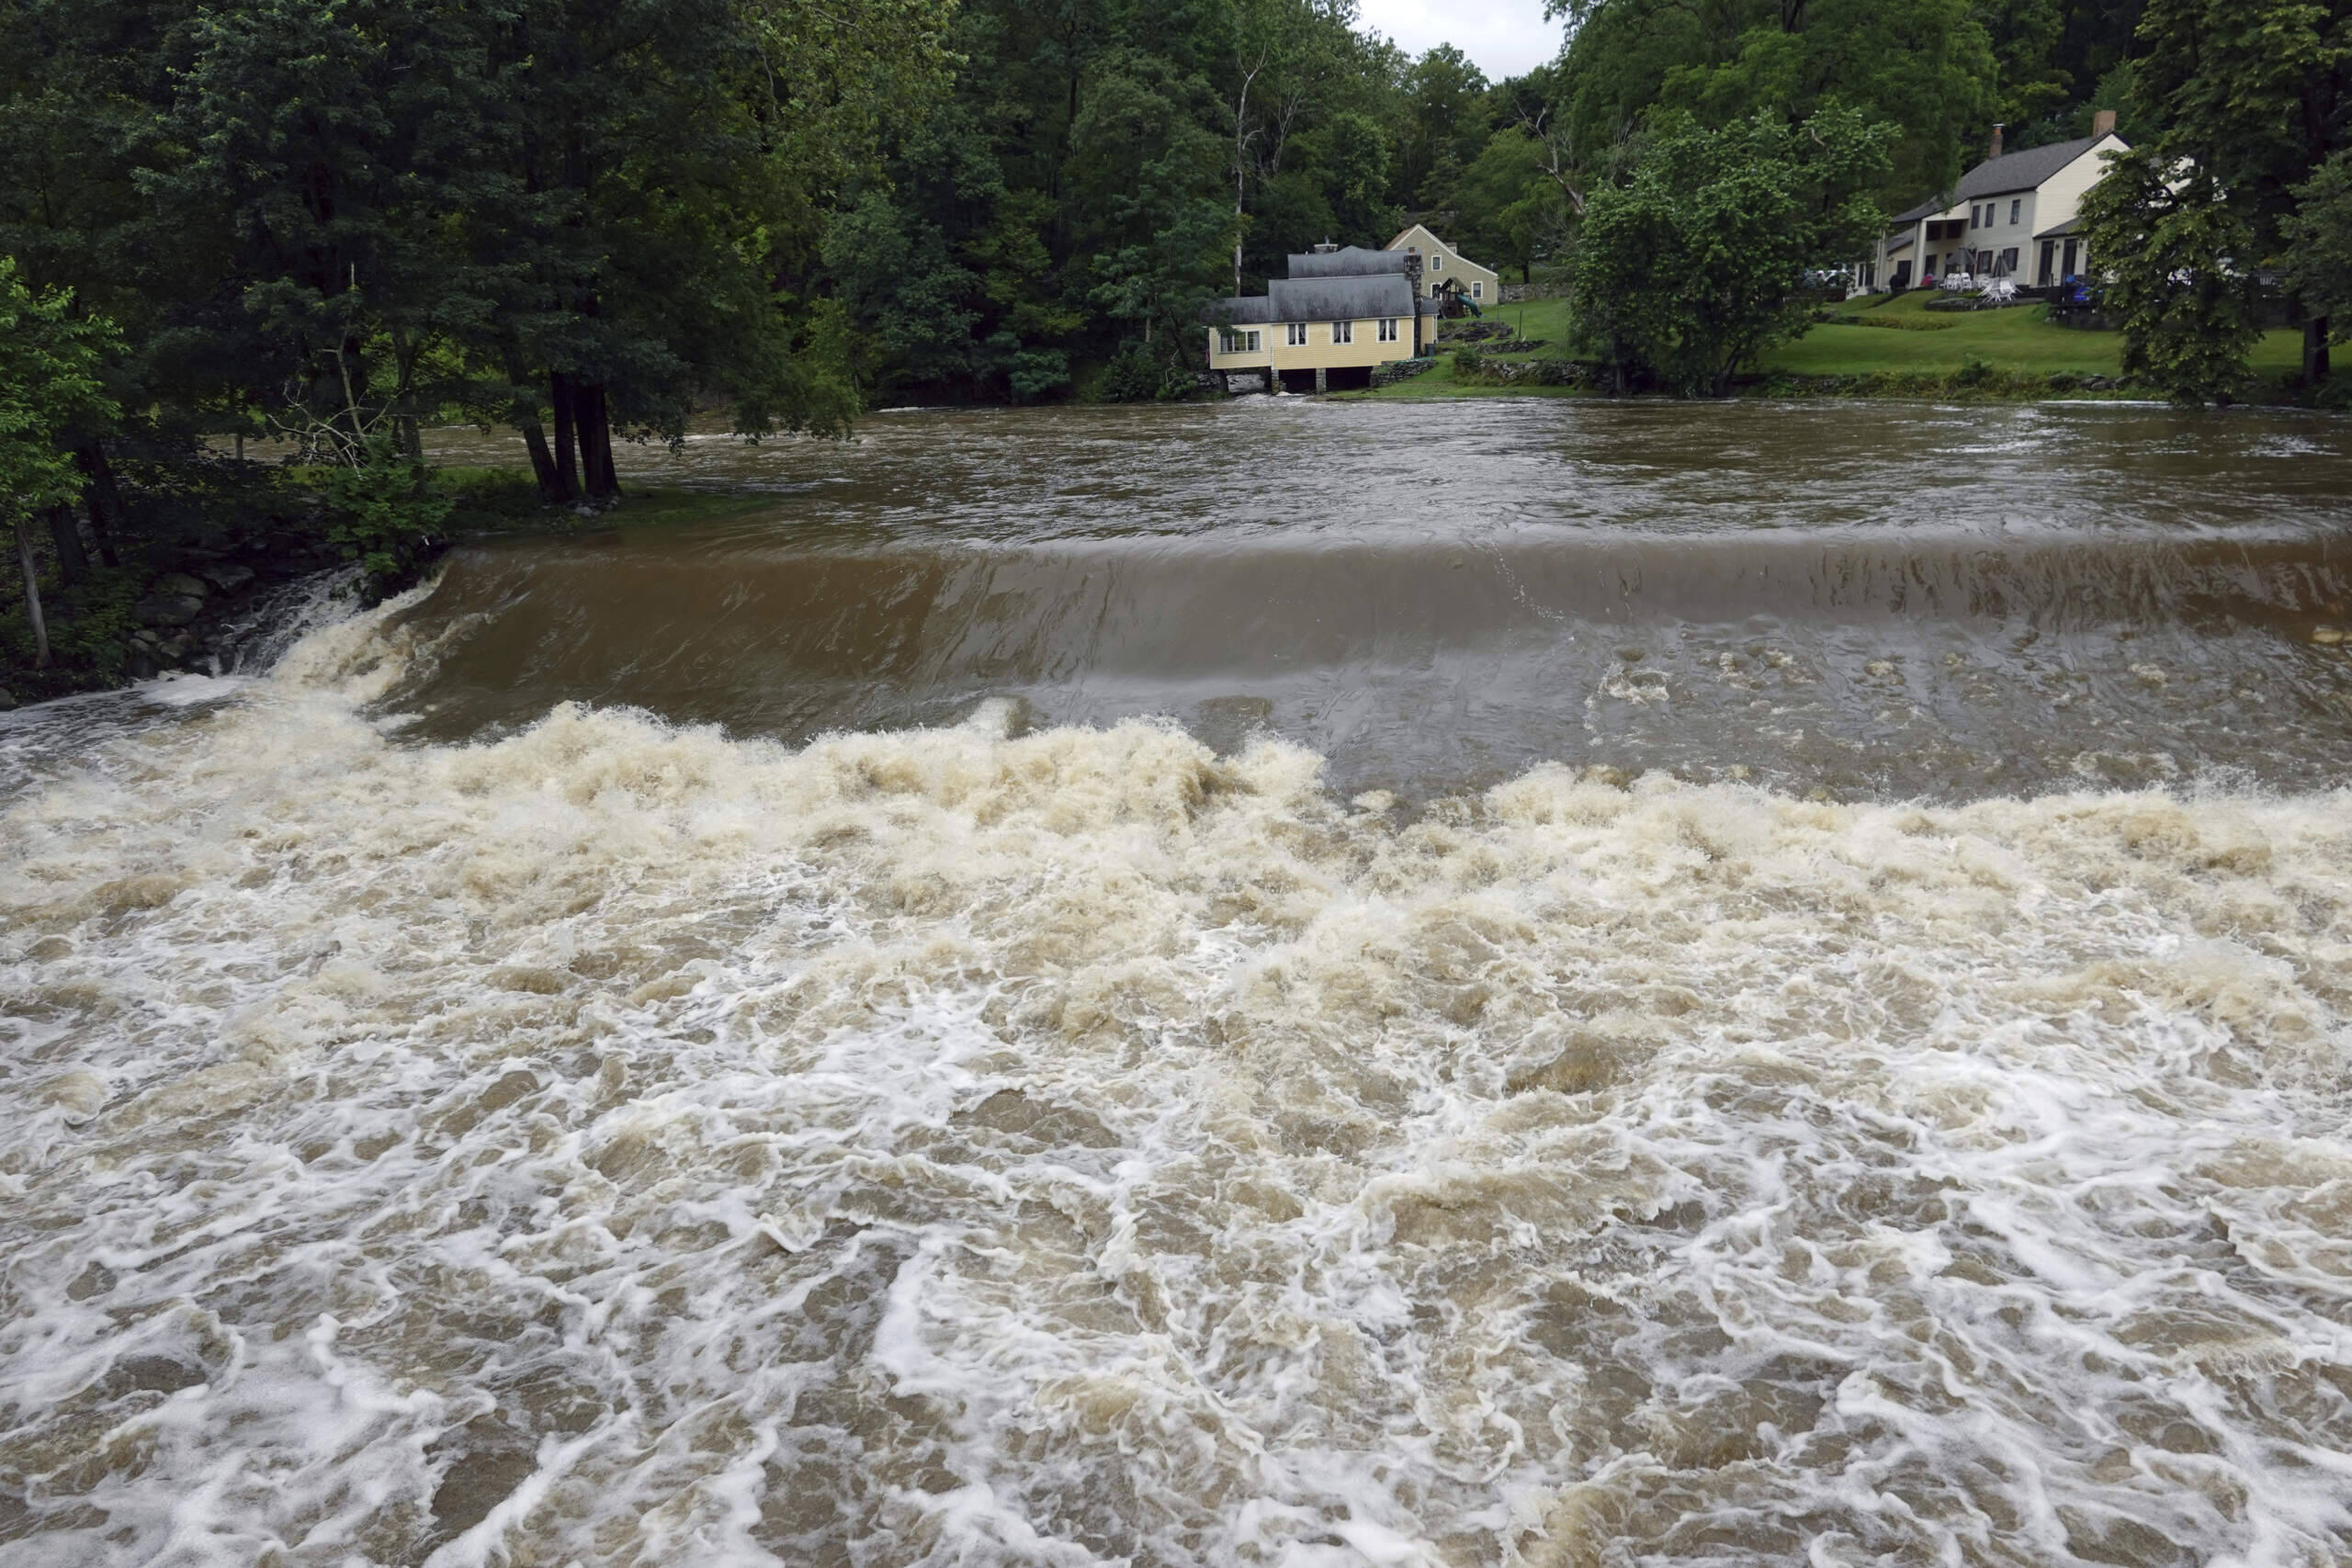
pixel 1239 381
pixel 1537 373
pixel 1521 293
pixel 1397 370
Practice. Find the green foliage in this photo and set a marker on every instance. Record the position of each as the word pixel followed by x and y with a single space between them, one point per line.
pixel 2167 249
pixel 1695 265
pixel 2255 99
pixel 383 512
pixel 1925 67
pixel 50 385
pixel 1466 361
pixel 1136 375
pixel 2318 263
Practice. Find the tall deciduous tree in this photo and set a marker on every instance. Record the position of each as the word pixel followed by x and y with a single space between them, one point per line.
pixel 2255 97
pixel 1696 265
pixel 1924 66
pixel 2170 245
pixel 50 386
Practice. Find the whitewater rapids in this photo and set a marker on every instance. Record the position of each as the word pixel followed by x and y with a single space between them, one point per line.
pixel 619 1144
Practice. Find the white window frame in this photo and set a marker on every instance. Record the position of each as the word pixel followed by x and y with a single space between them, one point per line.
pixel 1254 344
pixel 1297 334
pixel 1343 331
pixel 1388 329
pixel 1477 288
pixel 1437 261
pixel 2017 206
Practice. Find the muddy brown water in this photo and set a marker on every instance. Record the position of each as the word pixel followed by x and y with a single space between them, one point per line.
pixel 1288 984
pixel 1874 600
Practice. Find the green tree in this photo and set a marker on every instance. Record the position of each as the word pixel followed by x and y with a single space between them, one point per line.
pixel 2255 96
pixel 1512 207
pixel 1695 265
pixel 1924 66
pixel 2319 244
pixel 2170 243
pixel 50 386
pixel 1445 127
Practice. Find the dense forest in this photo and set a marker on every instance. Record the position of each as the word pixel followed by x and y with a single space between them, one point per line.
pixel 583 215
pixel 333 221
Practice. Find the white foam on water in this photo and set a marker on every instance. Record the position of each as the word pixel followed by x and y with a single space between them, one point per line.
pixel 620 1144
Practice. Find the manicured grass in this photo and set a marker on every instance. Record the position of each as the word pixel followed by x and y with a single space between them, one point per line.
pixel 2017 342
pixel 2020 339
pixel 1546 321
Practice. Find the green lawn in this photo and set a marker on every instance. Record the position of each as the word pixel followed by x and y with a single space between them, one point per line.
pixel 2017 339
pixel 1546 321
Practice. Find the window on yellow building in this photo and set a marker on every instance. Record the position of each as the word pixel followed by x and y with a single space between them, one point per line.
pixel 1343 331
pixel 1297 334
pixel 1388 330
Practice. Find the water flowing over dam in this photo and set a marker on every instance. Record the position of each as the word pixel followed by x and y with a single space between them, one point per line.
pixel 1289 984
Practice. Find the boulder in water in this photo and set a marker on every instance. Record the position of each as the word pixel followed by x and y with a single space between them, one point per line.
pixel 228 577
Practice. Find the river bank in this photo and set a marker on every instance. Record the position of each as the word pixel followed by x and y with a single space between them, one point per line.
pixel 220 544
pixel 1883 346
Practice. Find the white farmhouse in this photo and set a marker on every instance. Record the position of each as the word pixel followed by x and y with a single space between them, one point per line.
pixel 2016 215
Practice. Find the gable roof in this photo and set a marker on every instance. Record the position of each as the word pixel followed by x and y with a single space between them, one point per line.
pixel 1341 298
pixel 2028 170
pixel 1351 261
pixel 1247 310
pixel 1320 300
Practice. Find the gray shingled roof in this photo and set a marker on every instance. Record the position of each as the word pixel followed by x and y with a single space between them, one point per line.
pixel 2022 171
pixel 1351 261
pixel 1341 298
pixel 1249 310
pixel 1925 210
pixel 2072 226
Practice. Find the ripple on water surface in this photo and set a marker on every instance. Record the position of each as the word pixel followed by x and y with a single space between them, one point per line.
pixel 608 1140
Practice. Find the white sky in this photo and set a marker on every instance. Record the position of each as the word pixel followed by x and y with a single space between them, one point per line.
pixel 1506 37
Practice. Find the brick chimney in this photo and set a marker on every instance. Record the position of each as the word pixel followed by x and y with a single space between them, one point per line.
pixel 2103 123
pixel 1996 141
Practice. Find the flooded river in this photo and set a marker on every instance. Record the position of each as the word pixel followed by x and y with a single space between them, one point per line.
pixel 1290 985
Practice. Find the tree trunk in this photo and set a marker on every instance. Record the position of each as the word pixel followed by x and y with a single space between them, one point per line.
pixel 597 446
pixel 2317 362
pixel 535 439
pixel 33 596
pixel 73 561
pixel 567 477
pixel 104 498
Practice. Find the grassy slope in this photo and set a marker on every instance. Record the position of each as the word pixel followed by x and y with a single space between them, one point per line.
pixel 2017 340
pixel 1544 319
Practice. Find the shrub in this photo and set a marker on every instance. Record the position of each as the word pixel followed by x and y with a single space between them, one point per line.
pixel 383 512
pixel 1129 377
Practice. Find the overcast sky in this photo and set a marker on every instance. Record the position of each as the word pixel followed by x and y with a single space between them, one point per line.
pixel 1506 38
